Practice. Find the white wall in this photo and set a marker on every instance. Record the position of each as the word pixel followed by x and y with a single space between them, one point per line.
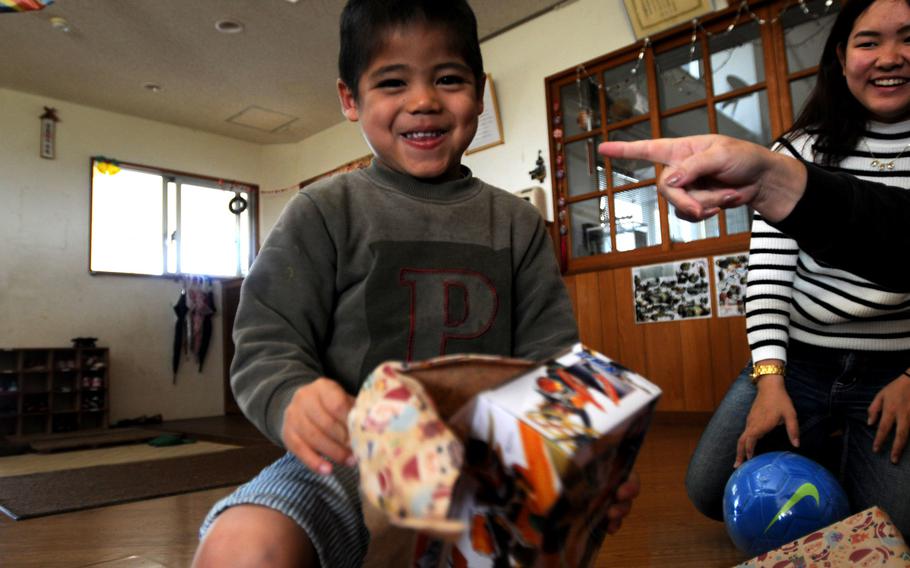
pixel 287 165
pixel 47 296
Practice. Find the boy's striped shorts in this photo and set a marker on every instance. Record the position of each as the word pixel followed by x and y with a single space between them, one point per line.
pixel 327 507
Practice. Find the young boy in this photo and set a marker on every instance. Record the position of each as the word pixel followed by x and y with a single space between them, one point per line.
pixel 409 259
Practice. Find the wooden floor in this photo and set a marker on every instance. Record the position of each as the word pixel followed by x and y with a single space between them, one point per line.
pixel 663 529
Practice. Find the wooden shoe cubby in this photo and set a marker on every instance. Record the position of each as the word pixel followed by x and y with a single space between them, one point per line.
pixel 51 390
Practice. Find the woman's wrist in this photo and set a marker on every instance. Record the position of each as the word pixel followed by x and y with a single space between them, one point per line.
pixel 782 186
pixel 770 383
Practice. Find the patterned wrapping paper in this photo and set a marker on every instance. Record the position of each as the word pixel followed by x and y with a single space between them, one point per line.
pixel 545 452
pixel 545 446
pixel 868 538
pixel 409 460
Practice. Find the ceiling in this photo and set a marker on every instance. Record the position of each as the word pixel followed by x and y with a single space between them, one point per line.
pixel 274 82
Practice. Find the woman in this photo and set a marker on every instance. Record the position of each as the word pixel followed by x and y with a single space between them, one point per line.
pixel 831 350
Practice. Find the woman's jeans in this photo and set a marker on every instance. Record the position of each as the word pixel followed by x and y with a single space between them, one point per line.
pixel 831 390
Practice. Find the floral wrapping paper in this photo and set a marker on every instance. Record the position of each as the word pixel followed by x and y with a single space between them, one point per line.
pixel 408 458
pixel 868 538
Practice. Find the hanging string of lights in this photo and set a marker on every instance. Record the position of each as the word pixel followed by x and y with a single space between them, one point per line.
pixel 742 9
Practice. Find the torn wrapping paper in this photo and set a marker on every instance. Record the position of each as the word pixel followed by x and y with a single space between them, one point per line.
pixel 409 460
pixel 23 5
pixel 545 447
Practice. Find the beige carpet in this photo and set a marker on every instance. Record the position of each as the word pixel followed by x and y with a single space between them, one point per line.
pixel 37 463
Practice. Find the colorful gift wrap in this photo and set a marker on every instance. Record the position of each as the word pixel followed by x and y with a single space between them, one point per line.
pixel 544 454
pixel 408 459
pixel 23 5
pixel 868 538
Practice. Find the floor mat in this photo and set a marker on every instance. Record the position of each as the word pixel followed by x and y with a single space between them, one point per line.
pixel 75 459
pixel 48 493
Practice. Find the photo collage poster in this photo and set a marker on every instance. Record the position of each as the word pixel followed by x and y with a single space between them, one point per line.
pixel 672 291
pixel 730 284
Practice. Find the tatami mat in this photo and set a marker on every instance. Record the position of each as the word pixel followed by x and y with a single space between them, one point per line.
pixel 36 463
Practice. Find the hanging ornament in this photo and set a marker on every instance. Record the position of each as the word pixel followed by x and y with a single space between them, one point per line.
pixel 585 115
pixel 584 119
pixel 106 166
pixel 540 171
pixel 238 204
pixel 49 122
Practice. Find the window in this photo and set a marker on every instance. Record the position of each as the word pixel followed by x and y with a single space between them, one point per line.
pixel 155 222
pixel 743 72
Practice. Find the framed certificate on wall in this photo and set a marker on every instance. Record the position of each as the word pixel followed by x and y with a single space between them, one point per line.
pixel 649 17
pixel 489 126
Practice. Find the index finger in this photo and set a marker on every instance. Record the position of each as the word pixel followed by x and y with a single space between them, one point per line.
pixel 884 428
pixel 658 150
pixel 900 440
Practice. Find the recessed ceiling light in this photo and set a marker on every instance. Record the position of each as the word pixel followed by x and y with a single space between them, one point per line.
pixel 153 87
pixel 229 26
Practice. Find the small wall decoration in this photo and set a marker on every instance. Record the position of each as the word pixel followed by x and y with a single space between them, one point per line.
pixel 649 17
pixel 489 126
pixel 671 291
pixel 540 168
pixel 730 284
pixel 49 122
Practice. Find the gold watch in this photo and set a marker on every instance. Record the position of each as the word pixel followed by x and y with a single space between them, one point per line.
pixel 759 371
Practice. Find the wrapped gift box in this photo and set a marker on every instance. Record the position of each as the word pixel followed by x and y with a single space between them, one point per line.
pixel 544 454
pixel 868 538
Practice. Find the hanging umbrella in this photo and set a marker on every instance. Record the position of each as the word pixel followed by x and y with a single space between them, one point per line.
pixel 207 310
pixel 181 310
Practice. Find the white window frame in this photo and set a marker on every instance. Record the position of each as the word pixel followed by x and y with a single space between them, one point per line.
pixel 172 229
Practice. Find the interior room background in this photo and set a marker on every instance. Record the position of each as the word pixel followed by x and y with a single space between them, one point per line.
pixel 47 295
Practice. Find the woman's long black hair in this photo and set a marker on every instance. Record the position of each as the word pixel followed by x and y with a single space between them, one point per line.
pixel 831 110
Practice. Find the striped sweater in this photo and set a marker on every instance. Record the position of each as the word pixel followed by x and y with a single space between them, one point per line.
pixel 791 295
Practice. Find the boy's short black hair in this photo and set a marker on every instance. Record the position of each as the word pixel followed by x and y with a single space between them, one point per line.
pixel 364 24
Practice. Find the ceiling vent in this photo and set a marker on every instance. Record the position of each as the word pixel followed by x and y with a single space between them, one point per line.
pixel 262 119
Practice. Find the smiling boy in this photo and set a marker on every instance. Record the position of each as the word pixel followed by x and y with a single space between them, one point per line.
pixel 408 259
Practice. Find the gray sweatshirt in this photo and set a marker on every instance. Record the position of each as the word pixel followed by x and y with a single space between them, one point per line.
pixel 375 265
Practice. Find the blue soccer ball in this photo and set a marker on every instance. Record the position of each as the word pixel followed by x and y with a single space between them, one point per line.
pixel 777 497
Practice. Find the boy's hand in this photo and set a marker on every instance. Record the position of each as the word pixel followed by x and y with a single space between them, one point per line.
pixel 620 508
pixel 315 425
pixel 891 409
